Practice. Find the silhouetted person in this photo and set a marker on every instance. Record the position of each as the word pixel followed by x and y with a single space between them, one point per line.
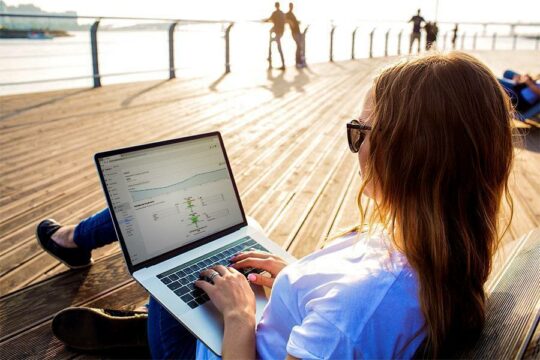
pixel 431 34
pixel 454 36
pixel 417 21
pixel 278 19
pixel 297 36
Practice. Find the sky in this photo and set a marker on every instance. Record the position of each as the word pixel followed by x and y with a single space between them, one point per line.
pixel 309 10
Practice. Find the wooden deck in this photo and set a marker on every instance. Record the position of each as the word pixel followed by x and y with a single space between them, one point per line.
pixel 285 137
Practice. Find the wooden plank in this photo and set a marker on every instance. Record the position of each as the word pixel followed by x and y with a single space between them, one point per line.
pixel 13 278
pixel 39 341
pixel 71 289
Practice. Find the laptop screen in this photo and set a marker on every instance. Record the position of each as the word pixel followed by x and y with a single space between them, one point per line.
pixel 168 196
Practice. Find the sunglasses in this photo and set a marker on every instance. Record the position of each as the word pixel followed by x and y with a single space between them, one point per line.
pixel 356 133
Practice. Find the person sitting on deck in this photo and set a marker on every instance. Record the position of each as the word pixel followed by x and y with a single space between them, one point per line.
pixel 436 167
pixel 524 92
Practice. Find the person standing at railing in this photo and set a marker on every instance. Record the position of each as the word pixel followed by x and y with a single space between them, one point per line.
pixel 432 30
pixel 297 35
pixel 278 19
pixel 454 36
pixel 417 21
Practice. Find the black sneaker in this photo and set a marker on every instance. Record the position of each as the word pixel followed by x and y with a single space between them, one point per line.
pixel 91 329
pixel 74 258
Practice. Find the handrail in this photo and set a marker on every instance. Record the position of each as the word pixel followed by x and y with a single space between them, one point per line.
pixel 58 16
pixel 53 16
pixel 226 26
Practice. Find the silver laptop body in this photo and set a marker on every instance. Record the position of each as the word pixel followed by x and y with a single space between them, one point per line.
pixel 176 210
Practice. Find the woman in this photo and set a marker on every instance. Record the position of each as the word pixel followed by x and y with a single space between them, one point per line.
pixel 435 163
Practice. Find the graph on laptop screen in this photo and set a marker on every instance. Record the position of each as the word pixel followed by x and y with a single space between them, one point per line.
pixel 168 196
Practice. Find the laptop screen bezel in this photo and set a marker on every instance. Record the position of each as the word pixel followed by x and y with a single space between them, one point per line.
pixel 182 249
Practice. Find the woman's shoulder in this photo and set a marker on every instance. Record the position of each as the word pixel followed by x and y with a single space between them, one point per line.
pixel 349 279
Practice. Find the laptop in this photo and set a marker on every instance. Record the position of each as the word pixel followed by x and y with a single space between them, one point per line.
pixel 176 211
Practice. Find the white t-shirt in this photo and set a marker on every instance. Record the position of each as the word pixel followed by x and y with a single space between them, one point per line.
pixel 357 298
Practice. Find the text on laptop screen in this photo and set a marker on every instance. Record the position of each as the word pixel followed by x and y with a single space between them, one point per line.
pixel 168 196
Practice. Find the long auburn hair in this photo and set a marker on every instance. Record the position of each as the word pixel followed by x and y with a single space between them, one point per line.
pixel 440 157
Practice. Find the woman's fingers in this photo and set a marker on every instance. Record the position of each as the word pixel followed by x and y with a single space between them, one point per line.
pixel 222 270
pixel 254 254
pixel 209 273
pixel 204 286
pixel 259 279
pixel 257 263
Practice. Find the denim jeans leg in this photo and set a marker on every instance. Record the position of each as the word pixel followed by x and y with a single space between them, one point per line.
pixel 95 231
pixel 167 338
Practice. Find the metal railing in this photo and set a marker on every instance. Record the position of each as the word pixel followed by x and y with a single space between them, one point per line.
pixel 96 75
pixel 227 25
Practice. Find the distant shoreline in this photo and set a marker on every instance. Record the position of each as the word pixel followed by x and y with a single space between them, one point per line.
pixel 32 34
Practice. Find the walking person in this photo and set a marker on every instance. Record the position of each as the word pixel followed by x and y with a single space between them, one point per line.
pixel 297 36
pixel 417 21
pixel 278 19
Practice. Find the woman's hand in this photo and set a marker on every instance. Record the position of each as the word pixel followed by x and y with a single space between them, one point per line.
pixel 259 260
pixel 230 292
pixel 233 297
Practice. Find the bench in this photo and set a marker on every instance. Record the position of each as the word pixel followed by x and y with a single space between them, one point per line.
pixel 513 306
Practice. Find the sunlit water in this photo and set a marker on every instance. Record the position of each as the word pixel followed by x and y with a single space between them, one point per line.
pixel 199 49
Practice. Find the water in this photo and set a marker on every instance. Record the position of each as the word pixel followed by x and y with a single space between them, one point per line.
pixel 199 50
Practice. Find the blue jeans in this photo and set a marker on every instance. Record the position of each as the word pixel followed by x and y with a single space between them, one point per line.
pixel 508 84
pixel 167 338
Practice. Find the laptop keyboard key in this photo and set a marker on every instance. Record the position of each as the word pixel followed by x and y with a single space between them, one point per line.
pixel 174 285
pixel 193 304
pixel 173 277
pixel 182 291
pixel 186 297
pixel 166 280
pixel 200 300
pixel 207 262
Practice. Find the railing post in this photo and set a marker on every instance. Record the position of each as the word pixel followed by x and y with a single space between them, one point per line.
pixel 371 42
pixel 474 41
pixel 95 61
pixel 493 41
pixel 514 42
pixel 463 40
pixel 332 43
pixel 172 67
pixel 537 45
pixel 227 48
pixel 353 42
pixel 444 41
pixel 386 35
pixel 399 42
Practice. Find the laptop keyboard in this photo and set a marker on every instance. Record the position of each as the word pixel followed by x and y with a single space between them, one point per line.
pixel 181 279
